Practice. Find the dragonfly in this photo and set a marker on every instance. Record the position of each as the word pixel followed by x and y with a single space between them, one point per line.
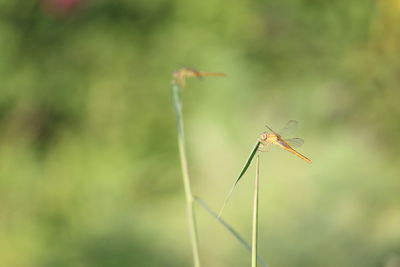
pixel 274 138
pixel 183 73
pixel 265 140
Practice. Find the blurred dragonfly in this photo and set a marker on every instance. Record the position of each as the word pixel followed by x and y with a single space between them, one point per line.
pixel 262 144
pixel 287 144
pixel 182 74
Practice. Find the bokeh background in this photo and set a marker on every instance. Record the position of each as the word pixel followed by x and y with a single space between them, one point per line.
pixel 89 170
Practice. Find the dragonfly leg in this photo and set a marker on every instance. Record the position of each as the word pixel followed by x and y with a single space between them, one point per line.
pixel 263 147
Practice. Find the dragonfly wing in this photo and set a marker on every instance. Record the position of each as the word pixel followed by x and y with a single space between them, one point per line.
pixel 295 142
pixel 271 131
pixel 289 128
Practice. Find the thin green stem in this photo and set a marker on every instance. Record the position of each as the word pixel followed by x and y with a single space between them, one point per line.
pixel 185 175
pixel 255 215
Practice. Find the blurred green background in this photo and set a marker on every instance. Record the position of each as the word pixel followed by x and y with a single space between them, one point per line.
pixel 88 155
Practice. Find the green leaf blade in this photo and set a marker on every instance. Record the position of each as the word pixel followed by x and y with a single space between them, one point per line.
pixel 246 166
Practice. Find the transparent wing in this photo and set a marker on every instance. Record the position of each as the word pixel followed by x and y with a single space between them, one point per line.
pixel 271 131
pixel 295 142
pixel 290 127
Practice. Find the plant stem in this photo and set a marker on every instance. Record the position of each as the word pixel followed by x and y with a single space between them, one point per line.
pixel 255 216
pixel 185 175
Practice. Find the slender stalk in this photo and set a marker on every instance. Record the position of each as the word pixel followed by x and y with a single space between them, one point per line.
pixel 255 215
pixel 185 175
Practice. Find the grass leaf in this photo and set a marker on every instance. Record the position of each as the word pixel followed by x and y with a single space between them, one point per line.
pixel 248 162
pixel 228 227
pixel 245 167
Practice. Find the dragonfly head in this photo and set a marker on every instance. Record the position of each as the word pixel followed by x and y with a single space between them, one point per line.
pixel 264 136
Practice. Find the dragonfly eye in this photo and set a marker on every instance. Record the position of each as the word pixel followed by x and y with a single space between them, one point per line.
pixel 263 136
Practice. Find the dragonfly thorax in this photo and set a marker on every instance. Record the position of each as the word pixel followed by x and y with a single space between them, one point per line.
pixel 267 137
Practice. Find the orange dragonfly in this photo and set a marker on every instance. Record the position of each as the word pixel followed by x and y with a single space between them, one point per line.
pixel 287 144
pixel 262 144
pixel 182 74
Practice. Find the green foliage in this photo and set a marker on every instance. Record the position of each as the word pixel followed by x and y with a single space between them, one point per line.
pixel 88 159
